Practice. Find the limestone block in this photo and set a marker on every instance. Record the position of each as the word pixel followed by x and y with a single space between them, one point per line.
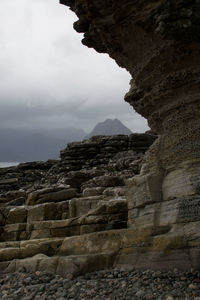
pixel 87 263
pixel 17 202
pixel 12 195
pixel 180 210
pixel 9 245
pixel 179 183
pixel 142 190
pixel 48 264
pixel 12 232
pixel 9 254
pixel 97 242
pixel 85 229
pixel 40 225
pixel 111 206
pixel 67 231
pixel 185 209
pixel 47 246
pixel 143 217
pixel 116 206
pixel 17 215
pixel 81 206
pixel 170 243
pixel 156 260
pixel 102 219
pixel 63 266
pixel 30 264
pixel 48 211
pixel 191 232
pixel 8 181
pixel 39 234
pixel 115 191
pixel 52 229
pixel 87 192
pixel 168 212
pixel 51 195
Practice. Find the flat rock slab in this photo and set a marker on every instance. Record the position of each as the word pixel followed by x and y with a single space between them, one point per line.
pixel 64 266
pixel 9 181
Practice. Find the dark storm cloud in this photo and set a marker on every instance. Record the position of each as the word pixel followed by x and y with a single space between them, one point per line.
pixel 47 78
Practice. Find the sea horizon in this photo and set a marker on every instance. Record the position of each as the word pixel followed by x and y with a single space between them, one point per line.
pixel 8 164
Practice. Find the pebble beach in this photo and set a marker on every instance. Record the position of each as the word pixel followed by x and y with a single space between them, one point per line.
pixel 101 285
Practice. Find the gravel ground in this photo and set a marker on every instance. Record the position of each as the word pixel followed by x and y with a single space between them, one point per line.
pixel 102 285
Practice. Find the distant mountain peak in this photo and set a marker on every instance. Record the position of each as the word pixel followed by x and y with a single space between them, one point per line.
pixel 109 127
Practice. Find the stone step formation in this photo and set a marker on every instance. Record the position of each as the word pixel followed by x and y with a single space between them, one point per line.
pixel 158 43
pixel 70 216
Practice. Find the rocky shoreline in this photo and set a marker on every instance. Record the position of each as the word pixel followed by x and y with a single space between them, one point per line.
pixel 64 233
pixel 57 215
pixel 103 285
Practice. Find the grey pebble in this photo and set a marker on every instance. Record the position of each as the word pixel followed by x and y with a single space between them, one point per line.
pixel 107 284
pixel 140 293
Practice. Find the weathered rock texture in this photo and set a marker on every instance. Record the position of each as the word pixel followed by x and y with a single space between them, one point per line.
pixel 52 218
pixel 24 175
pixel 158 42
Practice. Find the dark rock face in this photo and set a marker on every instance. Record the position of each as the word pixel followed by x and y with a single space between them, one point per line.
pixel 25 174
pixel 100 149
pixel 158 42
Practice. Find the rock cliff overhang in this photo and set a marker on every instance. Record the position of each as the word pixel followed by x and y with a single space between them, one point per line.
pixel 158 42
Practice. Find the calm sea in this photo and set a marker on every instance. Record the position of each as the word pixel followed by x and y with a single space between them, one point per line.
pixel 8 164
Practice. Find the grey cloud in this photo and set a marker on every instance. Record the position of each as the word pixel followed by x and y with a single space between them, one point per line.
pixel 47 78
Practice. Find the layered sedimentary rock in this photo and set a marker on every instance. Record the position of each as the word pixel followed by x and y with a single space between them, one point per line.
pixel 24 175
pixel 158 42
pixel 76 201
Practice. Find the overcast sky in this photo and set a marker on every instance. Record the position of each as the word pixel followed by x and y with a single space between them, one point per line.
pixel 49 79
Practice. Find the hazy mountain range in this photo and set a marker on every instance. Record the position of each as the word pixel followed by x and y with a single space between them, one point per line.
pixel 28 145
pixel 21 145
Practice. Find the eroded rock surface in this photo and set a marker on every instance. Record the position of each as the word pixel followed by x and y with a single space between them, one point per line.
pixel 158 42
pixel 81 195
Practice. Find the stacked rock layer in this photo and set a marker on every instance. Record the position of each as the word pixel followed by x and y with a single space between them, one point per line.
pixel 158 42
pixel 70 216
